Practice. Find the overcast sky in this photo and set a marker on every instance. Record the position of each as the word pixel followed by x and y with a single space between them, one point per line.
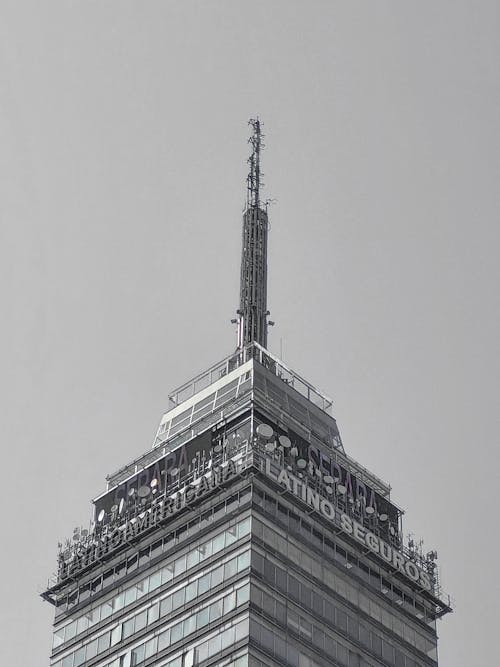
pixel 122 177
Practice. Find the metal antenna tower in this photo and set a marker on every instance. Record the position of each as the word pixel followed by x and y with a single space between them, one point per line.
pixel 252 313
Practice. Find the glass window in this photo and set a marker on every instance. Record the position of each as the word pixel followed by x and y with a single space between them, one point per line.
pixel 151 647
pixel 79 657
pixel 242 595
pixel 215 611
pixel 244 528
pixel 189 625
pixel 128 628
pixel 231 535
pixel 103 642
pixel 229 602
pixel 82 624
pixel 166 606
pixel 118 602
pixel 58 638
pixel 130 595
pixel 163 640
pixel 167 573
pixel 218 542
pixel 155 581
pixel 70 631
pixel 142 587
pixel 153 613
pixel 217 576
pixel 243 561
pixel 230 568
pixel 178 598
pixel 193 558
pixel 91 651
pixel 106 609
pixel 141 620
pixel 176 633
pixel 204 584
pixel 202 618
pixel 137 655
pixel 116 635
pixel 191 591
pixel 180 566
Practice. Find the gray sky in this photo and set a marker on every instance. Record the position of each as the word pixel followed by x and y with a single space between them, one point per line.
pixel 122 168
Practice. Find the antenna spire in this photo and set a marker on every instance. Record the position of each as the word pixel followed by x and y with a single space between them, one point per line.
pixel 252 313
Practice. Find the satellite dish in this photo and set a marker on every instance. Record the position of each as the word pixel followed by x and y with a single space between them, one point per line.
pixel 301 463
pixel 218 448
pixel 383 517
pixel 270 446
pixel 329 489
pixel 265 431
pixel 341 489
pixel 76 529
pixel 285 441
pixel 370 511
pixel 76 536
pixel 391 530
pixel 131 493
pixel 101 515
pixel 153 483
pixel 121 506
pixel 174 472
pixel 328 479
pixel 85 532
pixel 114 509
pixel 143 491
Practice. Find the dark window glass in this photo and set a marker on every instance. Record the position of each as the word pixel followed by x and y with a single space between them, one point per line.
pixel 294 588
pixel 269 571
pixel 376 644
pixel 144 556
pixel 364 636
pixel 280 613
pixel 329 611
pixel 341 620
pixel 268 604
pixel 318 637
pixel 317 603
pixel 128 628
pixel 132 563
pixel 281 579
pixel 217 576
pixel 204 584
pixel 103 642
pixel 257 562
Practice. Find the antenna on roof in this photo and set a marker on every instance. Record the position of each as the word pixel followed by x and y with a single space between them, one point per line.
pixel 252 313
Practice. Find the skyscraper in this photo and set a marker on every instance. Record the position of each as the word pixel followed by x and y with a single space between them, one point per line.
pixel 246 535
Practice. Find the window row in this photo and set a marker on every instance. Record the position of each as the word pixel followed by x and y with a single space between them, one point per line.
pixel 319 604
pixel 349 590
pixel 152 551
pixel 163 608
pixel 283 650
pixel 229 634
pixel 175 568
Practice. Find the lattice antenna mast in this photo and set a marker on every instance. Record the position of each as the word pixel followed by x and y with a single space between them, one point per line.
pixel 252 313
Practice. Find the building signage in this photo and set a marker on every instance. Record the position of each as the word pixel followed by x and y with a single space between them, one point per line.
pixel 157 513
pixel 349 525
pixel 194 455
pixel 355 489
